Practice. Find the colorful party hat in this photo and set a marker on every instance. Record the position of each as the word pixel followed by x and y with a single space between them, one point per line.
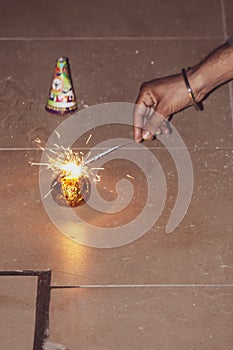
pixel 61 96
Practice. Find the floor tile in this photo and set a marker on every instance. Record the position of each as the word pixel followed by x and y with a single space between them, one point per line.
pixel 143 318
pixel 17 303
pixel 124 18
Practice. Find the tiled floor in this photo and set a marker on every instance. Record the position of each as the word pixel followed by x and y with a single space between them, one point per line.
pixel 113 47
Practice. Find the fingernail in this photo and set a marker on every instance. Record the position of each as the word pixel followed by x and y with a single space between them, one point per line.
pixel 146 135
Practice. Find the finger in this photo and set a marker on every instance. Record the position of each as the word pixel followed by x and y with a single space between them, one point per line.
pixel 152 125
pixel 138 118
pixel 147 136
pixel 141 111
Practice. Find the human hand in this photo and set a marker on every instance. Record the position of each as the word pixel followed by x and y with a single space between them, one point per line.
pixel 157 100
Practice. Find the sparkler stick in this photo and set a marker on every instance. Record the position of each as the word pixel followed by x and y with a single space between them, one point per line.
pixel 110 150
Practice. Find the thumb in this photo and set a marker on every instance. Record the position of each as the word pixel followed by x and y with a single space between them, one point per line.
pixel 152 125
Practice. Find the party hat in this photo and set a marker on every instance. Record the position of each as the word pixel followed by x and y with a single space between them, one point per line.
pixel 61 96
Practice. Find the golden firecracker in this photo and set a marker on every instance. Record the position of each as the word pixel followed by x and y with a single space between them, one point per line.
pixel 71 192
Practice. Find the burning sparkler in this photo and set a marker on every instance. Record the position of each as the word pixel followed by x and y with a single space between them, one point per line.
pixel 71 177
pixel 71 184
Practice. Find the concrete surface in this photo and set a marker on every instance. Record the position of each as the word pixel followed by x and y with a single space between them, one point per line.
pixel 113 47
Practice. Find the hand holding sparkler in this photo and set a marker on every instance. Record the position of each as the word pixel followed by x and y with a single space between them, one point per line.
pixel 160 98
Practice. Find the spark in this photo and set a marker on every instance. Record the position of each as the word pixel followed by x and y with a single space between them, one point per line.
pixel 68 165
pixel 70 174
pixel 130 177
pixel 90 136
pixel 57 133
pixel 71 168
pixel 37 140
pixel 52 151
pixel 47 194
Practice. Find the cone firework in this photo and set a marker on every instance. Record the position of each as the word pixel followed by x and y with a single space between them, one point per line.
pixel 61 96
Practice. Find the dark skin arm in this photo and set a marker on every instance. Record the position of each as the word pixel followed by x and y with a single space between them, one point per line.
pixel 160 98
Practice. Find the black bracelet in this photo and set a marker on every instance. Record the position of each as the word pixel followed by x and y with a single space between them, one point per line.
pixel 198 106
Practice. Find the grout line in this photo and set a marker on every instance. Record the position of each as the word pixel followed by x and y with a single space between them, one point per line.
pixel 144 286
pixel 230 87
pixel 125 148
pixel 106 38
pixel 225 35
pixel 224 22
pixel 19 149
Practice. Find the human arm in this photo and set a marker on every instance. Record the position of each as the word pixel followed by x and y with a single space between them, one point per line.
pixel 160 98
